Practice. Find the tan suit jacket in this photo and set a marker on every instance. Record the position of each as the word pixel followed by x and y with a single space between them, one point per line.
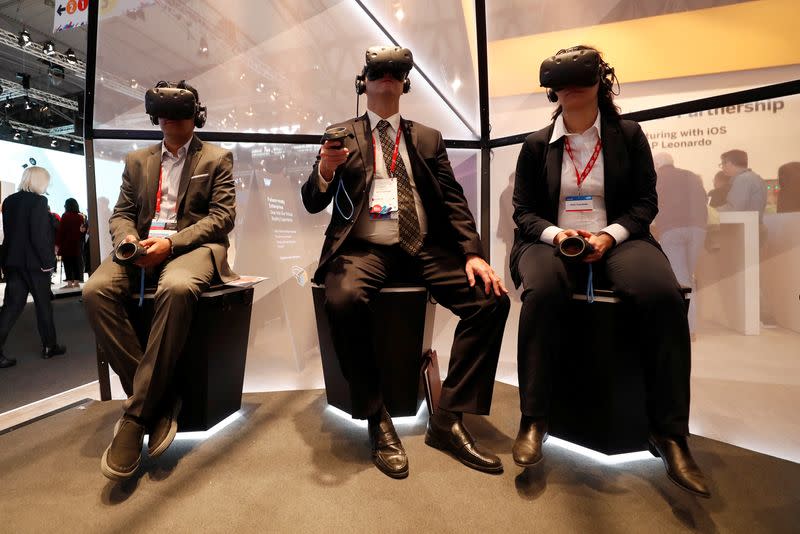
pixel 206 201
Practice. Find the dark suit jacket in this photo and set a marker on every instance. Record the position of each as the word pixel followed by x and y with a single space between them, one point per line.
pixel 206 200
pixel 29 238
pixel 630 184
pixel 449 220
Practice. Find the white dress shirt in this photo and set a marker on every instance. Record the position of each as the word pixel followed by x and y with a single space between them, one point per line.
pixel 595 221
pixel 171 168
pixel 383 231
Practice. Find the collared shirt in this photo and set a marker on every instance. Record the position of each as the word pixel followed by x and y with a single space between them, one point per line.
pixel 582 145
pixel 748 192
pixel 384 231
pixel 171 168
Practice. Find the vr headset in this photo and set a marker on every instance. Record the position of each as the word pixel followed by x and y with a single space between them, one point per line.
pixel 574 248
pixel 381 60
pixel 127 253
pixel 581 67
pixel 177 101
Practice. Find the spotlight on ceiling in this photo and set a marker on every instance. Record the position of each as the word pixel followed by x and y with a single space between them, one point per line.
pixel 203 46
pixel 30 135
pixel 48 48
pixel 8 104
pixel 54 143
pixel 28 104
pixel 134 84
pixel 45 108
pixel 71 57
pixel 17 136
pixel 24 38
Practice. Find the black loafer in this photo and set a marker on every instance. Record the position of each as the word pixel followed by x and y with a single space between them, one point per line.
pixel 163 432
pixel 122 457
pixel 6 362
pixel 681 467
pixel 447 432
pixel 54 350
pixel 527 450
pixel 388 453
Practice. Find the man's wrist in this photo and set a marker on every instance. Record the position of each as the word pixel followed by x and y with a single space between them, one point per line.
pixel 171 248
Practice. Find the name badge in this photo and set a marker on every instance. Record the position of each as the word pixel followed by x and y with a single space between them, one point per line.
pixel 584 203
pixel 162 229
pixel 384 203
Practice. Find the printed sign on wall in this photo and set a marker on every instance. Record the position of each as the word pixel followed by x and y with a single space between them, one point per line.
pixel 70 14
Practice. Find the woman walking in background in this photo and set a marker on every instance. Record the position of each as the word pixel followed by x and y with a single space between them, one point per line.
pixel 69 242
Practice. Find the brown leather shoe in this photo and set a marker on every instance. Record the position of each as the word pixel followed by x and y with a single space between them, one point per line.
pixel 163 431
pixel 446 431
pixel 388 454
pixel 122 457
pixel 527 450
pixel 681 467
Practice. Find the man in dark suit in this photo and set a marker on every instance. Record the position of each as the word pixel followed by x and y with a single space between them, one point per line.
pixel 181 193
pixel 408 218
pixel 28 259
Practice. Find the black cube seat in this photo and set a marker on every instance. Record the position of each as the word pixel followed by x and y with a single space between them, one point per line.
pixel 403 335
pixel 598 396
pixel 210 371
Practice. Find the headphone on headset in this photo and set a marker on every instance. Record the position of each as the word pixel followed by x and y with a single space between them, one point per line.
pixel 605 72
pixel 199 115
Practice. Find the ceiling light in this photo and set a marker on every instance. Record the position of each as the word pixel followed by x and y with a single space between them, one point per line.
pixel 30 135
pixel 44 108
pixel 54 143
pixel 203 46
pixel 24 38
pixel 259 87
pixel 134 83
pixel 71 57
pixel 28 105
pixel 273 96
pixel 17 136
pixel 456 85
pixel 8 104
pixel 48 48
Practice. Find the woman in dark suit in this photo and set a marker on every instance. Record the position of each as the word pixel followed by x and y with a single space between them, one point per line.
pixel 589 173
pixel 28 260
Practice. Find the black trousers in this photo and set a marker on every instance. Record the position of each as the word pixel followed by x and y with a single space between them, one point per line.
pixel 641 274
pixel 355 276
pixel 20 282
pixel 73 267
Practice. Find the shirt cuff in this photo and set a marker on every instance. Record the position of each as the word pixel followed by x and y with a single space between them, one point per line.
pixel 322 184
pixel 617 231
pixel 549 234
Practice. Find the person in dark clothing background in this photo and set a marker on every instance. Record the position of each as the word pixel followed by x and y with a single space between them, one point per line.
pixel 789 183
pixel 718 195
pixel 69 242
pixel 28 260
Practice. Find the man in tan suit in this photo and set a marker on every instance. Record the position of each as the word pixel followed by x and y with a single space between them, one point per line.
pixel 178 201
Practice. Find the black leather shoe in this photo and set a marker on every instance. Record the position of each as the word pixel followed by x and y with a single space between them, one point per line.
pixel 447 432
pixel 527 450
pixel 388 454
pixel 122 457
pixel 54 350
pixel 6 362
pixel 681 467
pixel 162 433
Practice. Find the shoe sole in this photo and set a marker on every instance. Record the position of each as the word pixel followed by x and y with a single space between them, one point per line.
pixel 112 473
pixel 436 444
pixel 173 431
pixel 654 452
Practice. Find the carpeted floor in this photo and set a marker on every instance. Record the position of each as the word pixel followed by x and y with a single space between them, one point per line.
pixel 290 465
pixel 34 378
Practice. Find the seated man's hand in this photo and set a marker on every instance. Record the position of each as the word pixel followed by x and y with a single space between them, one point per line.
pixel 130 238
pixel 331 156
pixel 477 266
pixel 562 235
pixel 601 243
pixel 158 250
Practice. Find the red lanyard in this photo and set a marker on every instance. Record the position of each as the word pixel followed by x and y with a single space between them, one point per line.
pixel 394 154
pixel 158 193
pixel 581 176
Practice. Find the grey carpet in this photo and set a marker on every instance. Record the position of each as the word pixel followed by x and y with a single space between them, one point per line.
pixel 34 378
pixel 288 465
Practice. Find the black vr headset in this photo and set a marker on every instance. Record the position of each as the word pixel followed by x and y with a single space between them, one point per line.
pixel 177 101
pixel 380 60
pixel 577 66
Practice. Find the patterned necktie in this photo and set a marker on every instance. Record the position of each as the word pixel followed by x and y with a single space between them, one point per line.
pixel 407 220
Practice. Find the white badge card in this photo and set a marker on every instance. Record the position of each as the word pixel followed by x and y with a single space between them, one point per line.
pixel 582 203
pixel 162 229
pixel 384 203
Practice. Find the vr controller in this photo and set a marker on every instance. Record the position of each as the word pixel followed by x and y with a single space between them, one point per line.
pixel 336 133
pixel 127 253
pixel 173 101
pixel 381 60
pixel 574 248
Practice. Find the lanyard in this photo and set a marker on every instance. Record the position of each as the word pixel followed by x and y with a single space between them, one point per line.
pixel 580 177
pixel 394 154
pixel 158 192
